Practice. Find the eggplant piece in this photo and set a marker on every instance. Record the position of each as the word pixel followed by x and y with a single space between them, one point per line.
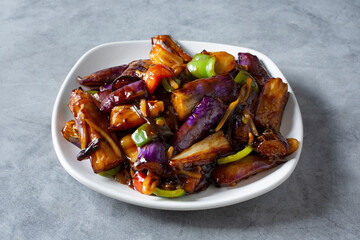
pixel 203 152
pixel 207 113
pixel 122 81
pixel 185 99
pixel 224 63
pixel 228 174
pixel 70 133
pixel 241 131
pixel 124 117
pixel 192 180
pixel 151 157
pixel 124 95
pixel 251 103
pixel 129 147
pixel 134 72
pixel 252 64
pixel 103 92
pixel 86 152
pixel 102 77
pixel 137 69
pixel 159 55
pixel 271 104
pixel 271 144
pixel 189 184
pixel 92 128
pixel 170 45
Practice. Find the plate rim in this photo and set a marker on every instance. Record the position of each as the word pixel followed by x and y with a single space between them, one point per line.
pixel 168 204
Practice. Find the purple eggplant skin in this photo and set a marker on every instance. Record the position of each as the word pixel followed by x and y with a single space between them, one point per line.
pixel 124 95
pixel 185 99
pixel 151 157
pixel 271 144
pixel 134 72
pixel 121 82
pixel 207 113
pixel 103 92
pixel 102 77
pixel 228 174
pixel 252 64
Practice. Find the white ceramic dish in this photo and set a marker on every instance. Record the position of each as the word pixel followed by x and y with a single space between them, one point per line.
pixel 118 53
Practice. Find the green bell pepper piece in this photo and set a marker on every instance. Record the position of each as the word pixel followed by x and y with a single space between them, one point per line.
pixel 111 172
pixel 237 156
pixel 143 135
pixel 243 76
pixel 146 133
pixel 202 66
pixel 169 193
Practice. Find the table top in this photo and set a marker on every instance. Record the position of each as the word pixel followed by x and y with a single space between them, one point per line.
pixel 316 44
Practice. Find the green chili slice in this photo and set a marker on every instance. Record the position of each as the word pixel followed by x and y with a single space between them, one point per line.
pixel 169 193
pixel 237 156
pixel 242 77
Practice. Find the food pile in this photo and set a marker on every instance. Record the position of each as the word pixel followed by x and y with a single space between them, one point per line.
pixel 173 124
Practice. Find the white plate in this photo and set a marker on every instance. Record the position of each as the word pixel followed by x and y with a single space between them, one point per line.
pixel 112 54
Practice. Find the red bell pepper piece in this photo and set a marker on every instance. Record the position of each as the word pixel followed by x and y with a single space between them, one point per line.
pixel 154 74
pixel 138 181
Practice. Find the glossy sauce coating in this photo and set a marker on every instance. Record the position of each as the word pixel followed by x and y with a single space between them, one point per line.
pixel 92 126
pixel 272 101
pixel 102 77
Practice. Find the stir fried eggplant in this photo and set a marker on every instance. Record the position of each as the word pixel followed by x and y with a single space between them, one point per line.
pixel 165 41
pixel 134 72
pixel 151 157
pixel 203 152
pixel 228 174
pixel 224 62
pixel 124 95
pixel 271 144
pixel 71 134
pixel 103 92
pixel 125 117
pixel 185 99
pixel 184 121
pixel 240 131
pixel 252 64
pixel 92 128
pixel 272 101
pixel 102 77
pixel 193 180
pixel 206 114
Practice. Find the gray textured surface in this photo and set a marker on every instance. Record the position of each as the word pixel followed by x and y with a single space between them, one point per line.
pixel 315 43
